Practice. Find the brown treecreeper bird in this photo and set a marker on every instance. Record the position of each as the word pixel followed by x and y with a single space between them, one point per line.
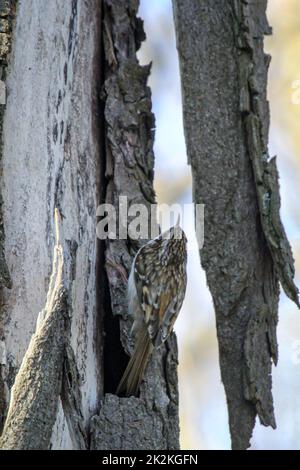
pixel 156 289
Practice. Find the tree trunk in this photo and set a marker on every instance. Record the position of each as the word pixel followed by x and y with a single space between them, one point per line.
pixel 150 421
pixel 51 159
pixel 77 131
pixel 246 252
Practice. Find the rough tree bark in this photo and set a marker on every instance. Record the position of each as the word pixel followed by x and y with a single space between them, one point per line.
pixel 77 130
pixel 246 252
pixel 50 158
pixel 150 421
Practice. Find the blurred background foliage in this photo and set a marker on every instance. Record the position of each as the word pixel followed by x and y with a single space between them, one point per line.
pixel 203 414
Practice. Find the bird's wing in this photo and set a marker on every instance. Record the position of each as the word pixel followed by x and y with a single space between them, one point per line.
pixel 158 302
pixel 169 311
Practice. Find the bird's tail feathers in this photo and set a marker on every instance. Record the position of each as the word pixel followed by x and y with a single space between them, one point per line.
pixel 137 364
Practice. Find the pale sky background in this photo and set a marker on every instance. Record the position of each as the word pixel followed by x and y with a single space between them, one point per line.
pixel 203 413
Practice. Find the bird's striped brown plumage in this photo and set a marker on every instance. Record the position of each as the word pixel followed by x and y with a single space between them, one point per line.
pixel 156 289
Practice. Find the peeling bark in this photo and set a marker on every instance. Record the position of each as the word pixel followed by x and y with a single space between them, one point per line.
pixel 129 130
pixel 34 397
pixel 246 252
